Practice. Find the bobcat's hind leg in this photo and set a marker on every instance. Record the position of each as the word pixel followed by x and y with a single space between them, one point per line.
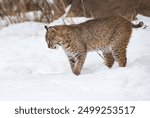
pixel 120 57
pixel 109 59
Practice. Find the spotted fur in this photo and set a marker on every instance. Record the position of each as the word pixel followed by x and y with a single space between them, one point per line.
pixel 109 34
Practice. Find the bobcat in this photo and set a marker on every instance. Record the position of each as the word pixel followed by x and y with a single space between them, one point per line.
pixel 108 34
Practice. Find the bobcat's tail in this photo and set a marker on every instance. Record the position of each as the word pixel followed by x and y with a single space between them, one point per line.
pixel 138 25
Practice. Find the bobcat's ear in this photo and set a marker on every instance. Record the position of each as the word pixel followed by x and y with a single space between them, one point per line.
pixel 46 28
pixel 50 29
pixel 53 29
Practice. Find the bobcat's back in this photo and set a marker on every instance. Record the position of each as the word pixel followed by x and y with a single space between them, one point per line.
pixel 102 32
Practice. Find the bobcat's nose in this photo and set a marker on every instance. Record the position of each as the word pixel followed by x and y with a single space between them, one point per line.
pixel 49 46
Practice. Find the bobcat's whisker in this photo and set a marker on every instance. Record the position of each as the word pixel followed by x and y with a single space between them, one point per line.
pixel 100 55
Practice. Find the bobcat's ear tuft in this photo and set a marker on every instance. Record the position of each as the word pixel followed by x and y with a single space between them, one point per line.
pixel 46 28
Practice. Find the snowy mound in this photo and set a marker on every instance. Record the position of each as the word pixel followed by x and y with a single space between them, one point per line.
pixel 31 71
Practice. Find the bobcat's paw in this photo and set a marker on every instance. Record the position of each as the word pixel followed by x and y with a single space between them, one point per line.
pixel 76 72
pixel 108 65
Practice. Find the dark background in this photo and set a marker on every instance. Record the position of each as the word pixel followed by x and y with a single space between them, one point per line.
pixel 88 8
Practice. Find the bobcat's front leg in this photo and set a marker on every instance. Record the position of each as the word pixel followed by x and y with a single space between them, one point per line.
pixel 109 59
pixel 72 62
pixel 80 58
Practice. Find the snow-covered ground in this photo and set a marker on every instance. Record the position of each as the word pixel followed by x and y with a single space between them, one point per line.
pixel 31 71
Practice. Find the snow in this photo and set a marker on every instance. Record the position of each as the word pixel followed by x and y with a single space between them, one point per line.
pixel 31 71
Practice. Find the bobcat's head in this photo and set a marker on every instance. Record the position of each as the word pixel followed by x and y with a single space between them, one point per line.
pixel 51 37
